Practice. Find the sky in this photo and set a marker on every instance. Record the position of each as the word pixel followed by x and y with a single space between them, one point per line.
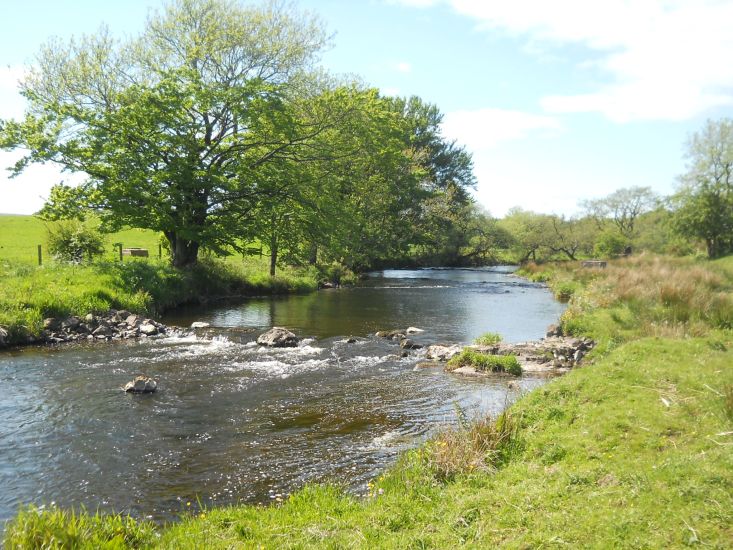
pixel 557 101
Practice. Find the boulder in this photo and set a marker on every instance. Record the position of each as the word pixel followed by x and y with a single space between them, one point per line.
pixel 102 330
pixel 409 344
pixel 51 324
pixel 133 320
pixel 141 384
pixel 554 330
pixel 200 324
pixel 70 323
pixel 148 328
pixel 278 337
pixel 441 352
pixel 414 330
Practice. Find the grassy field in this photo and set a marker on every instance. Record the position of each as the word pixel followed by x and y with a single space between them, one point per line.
pixel 21 235
pixel 29 293
pixel 635 449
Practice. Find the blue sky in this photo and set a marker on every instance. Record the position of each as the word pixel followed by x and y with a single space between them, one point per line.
pixel 558 101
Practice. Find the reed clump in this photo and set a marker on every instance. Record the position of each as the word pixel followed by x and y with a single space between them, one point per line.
pixel 481 445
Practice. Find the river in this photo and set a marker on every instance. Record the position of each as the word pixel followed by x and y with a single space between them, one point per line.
pixel 233 422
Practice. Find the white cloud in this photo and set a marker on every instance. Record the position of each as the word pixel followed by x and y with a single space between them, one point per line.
pixel 663 59
pixel 403 67
pixel 483 129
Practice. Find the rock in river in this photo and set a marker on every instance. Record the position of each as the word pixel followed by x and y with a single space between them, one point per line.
pixel 200 324
pixel 141 384
pixel 278 337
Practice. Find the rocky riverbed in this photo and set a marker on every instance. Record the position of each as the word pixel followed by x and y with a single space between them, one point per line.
pixel 113 325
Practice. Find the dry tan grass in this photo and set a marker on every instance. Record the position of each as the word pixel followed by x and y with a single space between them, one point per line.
pixel 477 447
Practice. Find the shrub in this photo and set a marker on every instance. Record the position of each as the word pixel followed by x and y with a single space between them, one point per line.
pixel 488 339
pixel 609 244
pixel 485 363
pixel 74 242
pixel 478 446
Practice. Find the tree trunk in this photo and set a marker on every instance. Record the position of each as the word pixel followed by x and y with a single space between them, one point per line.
pixel 313 256
pixel 184 252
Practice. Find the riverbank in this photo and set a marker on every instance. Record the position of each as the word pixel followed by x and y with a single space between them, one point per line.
pixel 631 449
pixel 31 294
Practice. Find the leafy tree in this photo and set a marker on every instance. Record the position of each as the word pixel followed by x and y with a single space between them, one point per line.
pixel 703 205
pixel 622 207
pixel 175 126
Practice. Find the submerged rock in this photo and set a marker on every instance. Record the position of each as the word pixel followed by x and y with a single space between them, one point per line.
pixel 413 330
pixel 278 337
pixel 391 334
pixel 141 384
pixel 406 343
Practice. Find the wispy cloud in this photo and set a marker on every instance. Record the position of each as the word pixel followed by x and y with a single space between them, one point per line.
pixel 483 129
pixel 659 59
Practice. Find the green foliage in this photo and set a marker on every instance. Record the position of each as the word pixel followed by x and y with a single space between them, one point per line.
pixel 610 244
pixel 703 206
pixel 488 339
pixel 74 242
pixel 485 363
pixel 53 528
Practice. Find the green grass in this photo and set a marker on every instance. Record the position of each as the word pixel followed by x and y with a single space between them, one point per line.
pixel 635 449
pixel 484 362
pixel 29 293
pixel 54 528
pixel 488 339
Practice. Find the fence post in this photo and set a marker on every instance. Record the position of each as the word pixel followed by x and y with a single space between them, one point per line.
pixel 40 255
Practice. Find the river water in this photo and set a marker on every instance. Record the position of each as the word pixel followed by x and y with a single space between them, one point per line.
pixel 234 422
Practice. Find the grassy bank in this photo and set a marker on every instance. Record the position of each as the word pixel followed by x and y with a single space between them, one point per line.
pixel 28 294
pixel 635 449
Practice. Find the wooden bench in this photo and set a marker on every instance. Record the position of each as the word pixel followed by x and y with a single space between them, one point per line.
pixel 599 264
pixel 141 252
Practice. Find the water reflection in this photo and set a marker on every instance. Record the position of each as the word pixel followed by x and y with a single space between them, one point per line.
pixel 233 422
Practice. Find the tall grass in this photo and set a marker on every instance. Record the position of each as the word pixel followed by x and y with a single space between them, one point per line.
pixel 480 445
pixel 648 296
pixel 53 528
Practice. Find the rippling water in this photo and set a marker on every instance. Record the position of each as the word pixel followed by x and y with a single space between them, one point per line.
pixel 234 422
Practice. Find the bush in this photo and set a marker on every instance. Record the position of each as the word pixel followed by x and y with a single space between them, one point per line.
pixel 609 244
pixel 74 242
pixel 488 339
pixel 486 363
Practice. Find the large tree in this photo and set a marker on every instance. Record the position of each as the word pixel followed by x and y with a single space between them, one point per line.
pixel 175 127
pixel 622 208
pixel 703 205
